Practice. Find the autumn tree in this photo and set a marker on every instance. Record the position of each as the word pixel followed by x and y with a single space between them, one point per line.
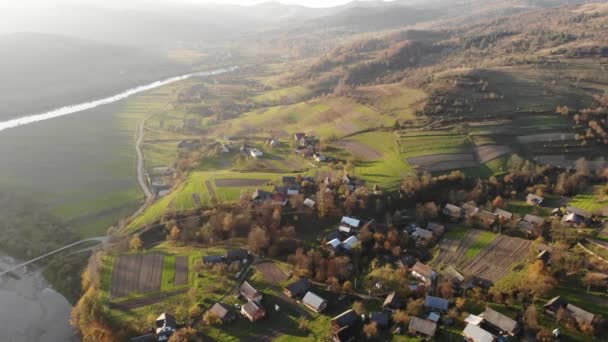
pixel 187 334
pixel 446 289
pixel 544 335
pixel 415 307
pixel 401 317
pixel 258 239
pixel 531 316
pixel 359 307
pixel 498 202
pixel 135 244
pixel 371 329
pixel 538 280
pixel 174 234
pixel 211 318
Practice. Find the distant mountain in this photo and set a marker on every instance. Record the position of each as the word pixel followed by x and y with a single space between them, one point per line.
pixel 41 72
pixel 375 16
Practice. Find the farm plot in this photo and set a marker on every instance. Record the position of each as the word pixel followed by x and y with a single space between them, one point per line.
pixel 527 139
pixel 136 274
pixel 490 152
pixel 181 270
pixel 496 260
pixel 271 272
pixel 239 182
pixel 360 149
pixel 443 162
pixel 482 254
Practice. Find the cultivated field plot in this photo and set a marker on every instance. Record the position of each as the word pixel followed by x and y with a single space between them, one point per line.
pixel 527 139
pixel 360 150
pixel 181 270
pixel 136 274
pixel 239 182
pixel 271 272
pixel 490 152
pixel 565 162
pixel 488 259
pixel 443 162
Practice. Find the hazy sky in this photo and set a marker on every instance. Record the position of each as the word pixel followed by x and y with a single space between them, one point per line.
pixel 129 3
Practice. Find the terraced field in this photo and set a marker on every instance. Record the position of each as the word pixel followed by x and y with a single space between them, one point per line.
pixel 482 254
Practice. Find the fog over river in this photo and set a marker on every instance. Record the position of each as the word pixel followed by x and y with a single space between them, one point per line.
pixel 30 310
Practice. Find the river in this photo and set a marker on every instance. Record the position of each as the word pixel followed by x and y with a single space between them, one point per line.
pixel 71 109
pixel 29 309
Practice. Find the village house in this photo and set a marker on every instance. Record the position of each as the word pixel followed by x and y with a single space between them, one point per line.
pixel 314 302
pixel 261 195
pixel 344 326
pixel 253 311
pixel 309 203
pixel 213 259
pixel 298 288
pixel 381 319
pixel 299 136
pixel 487 218
pixel 189 144
pixel 251 294
pixel 223 312
pixel 334 243
pixel 470 209
pixel 255 153
pixel 452 211
pixel 503 214
pixel 319 157
pixel 392 302
pixel 576 216
pixel 423 272
pixel 534 200
pixel 437 228
pixel 436 304
pixel 531 225
pixel 240 255
pixel 350 243
pixel 419 326
pixel 580 315
pixel 500 322
pixel 422 236
pixel 474 333
pixel 166 325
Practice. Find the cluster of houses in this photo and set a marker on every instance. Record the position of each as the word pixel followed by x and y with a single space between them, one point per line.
pixel 306 146
pixel 290 186
pixel 531 225
pixel 344 239
pixel 251 151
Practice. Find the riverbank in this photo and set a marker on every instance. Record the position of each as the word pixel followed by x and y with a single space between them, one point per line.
pixel 30 310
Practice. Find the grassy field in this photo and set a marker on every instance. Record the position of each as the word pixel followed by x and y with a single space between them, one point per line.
pixel 81 166
pixel 593 201
pixel 196 184
pixel 483 239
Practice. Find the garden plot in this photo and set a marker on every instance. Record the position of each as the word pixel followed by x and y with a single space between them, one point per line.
pixel 490 152
pixel 271 272
pixel 443 162
pixel 482 254
pixel 136 274
pixel 181 270
pixel 239 182
pixel 496 260
pixel 360 149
